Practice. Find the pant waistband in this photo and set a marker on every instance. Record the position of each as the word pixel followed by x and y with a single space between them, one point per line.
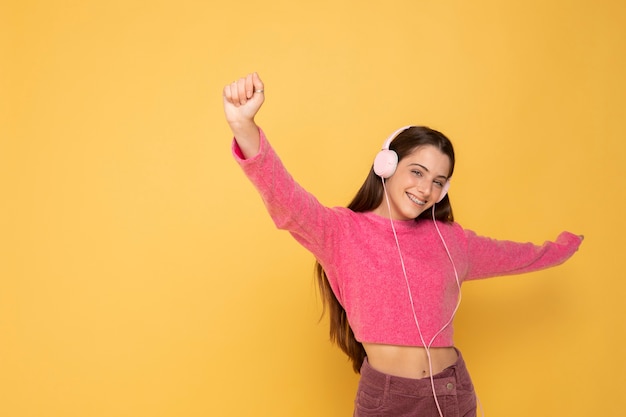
pixel 445 381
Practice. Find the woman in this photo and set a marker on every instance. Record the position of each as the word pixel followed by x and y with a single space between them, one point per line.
pixel 391 264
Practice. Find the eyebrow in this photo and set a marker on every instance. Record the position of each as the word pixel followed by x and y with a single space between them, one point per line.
pixel 427 170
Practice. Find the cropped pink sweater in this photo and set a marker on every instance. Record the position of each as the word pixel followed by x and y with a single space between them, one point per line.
pixel 359 254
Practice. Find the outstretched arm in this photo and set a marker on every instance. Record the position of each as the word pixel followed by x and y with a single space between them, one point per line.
pixel 490 257
pixel 242 100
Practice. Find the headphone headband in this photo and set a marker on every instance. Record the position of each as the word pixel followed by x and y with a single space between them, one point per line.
pixel 391 137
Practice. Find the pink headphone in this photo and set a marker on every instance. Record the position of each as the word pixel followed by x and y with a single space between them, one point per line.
pixel 386 161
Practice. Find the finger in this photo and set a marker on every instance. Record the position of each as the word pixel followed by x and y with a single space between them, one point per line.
pixel 241 90
pixel 249 86
pixel 231 93
pixel 227 95
pixel 258 84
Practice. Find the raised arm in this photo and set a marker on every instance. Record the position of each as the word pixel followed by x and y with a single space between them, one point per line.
pixel 242 100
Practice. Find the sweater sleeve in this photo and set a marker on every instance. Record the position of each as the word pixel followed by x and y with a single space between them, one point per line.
pixel 489 257
pixel 290 206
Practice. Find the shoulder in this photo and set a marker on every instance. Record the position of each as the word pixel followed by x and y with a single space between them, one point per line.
pixel 454 230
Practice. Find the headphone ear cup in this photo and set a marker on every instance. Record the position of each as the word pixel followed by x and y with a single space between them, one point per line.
pixel 385 163
pixel 444 191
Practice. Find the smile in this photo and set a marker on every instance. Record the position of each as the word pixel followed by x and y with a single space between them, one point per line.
pixel 415 199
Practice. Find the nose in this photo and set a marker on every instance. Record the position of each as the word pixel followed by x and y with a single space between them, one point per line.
pixel 425 188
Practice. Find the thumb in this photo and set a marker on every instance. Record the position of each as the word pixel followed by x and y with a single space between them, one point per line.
pixel 258 84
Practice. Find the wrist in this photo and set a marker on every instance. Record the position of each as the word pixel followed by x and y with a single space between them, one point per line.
pixel 243 124
pixel 247 136
pixel 242 129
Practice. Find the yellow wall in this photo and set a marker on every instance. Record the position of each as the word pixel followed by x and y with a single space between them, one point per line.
pixel 140 275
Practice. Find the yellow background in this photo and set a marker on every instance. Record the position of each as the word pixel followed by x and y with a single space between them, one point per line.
pixel 140 274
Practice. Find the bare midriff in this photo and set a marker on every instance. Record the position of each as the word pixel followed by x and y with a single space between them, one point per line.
pixel 409 361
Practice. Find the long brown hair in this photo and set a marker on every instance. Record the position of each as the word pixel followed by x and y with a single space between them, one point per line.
pixel 368 198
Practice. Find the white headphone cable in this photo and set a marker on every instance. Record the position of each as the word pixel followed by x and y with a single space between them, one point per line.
pixel 419 330
pixel 458 303
pixel 456 276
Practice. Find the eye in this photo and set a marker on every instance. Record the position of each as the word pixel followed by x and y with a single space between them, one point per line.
pixel 438 183
pixel 417 173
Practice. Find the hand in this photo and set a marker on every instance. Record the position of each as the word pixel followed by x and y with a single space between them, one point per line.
pixel 243 99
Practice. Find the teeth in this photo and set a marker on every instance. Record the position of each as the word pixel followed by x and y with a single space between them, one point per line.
pixel 415 200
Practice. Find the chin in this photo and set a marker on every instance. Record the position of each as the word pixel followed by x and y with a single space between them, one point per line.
pixel 412 215
pixel 420 212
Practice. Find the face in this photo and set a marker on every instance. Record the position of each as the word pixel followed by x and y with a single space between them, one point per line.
pixel 417 183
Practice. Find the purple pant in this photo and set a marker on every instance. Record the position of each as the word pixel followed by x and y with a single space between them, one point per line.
pixel 382 395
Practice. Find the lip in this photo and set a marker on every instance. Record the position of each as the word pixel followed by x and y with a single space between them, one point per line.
pixel 416 200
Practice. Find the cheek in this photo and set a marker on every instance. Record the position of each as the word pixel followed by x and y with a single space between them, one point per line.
pixel 398 184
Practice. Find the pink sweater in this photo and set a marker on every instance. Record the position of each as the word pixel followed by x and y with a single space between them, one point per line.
pixel 360 257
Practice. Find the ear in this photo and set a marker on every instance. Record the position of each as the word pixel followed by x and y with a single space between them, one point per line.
pixel 385 163
pixel 386 160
